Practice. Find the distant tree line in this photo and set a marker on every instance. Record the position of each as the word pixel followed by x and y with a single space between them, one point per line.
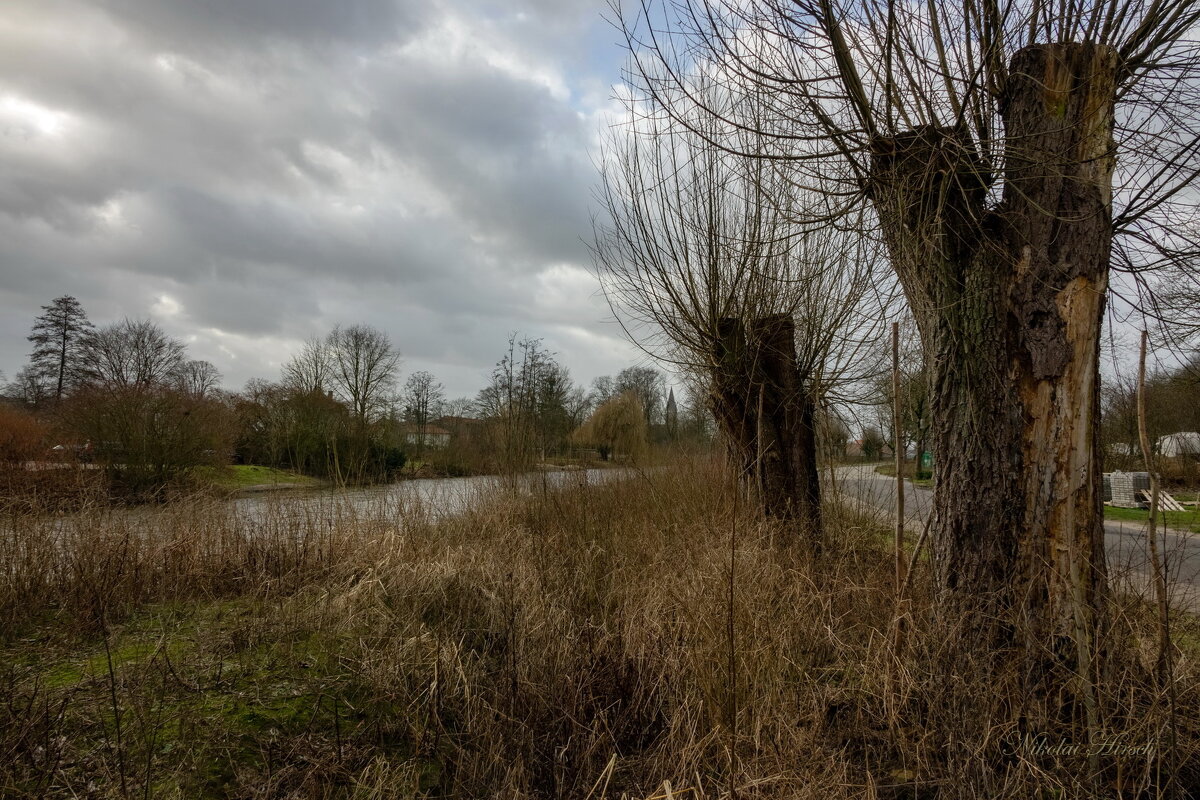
pixel 1172 406
pixel 125 397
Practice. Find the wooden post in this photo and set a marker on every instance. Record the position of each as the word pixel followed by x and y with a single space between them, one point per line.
pixel 1163 668
pixel 1160 583
pixel 898 448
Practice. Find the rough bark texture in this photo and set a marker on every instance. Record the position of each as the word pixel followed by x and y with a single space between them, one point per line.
pixel 1009 302
pixel 768 417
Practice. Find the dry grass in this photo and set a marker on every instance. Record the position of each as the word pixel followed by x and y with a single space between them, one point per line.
pixel 570 645
pixel 53 488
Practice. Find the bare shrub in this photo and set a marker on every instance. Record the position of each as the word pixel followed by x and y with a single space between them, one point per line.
pixel 22 436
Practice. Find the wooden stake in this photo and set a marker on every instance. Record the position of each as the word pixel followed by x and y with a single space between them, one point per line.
pixel 1163 667
pixel 898 447
pixel 1160 582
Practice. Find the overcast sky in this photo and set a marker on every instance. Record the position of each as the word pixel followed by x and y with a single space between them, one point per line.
pixel 249 173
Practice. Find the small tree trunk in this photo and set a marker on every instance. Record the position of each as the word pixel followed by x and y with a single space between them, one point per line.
pixel 730 396
pixel 1009 302
pixel 768 417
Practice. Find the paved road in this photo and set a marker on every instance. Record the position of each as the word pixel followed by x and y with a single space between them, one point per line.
pixel 1124 542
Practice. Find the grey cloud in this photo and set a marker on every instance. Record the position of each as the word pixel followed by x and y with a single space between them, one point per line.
pixel 217 22
pixel 495 144
pixel 291 165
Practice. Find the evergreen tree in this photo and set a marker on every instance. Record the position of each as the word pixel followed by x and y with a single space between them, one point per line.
pixel 58 336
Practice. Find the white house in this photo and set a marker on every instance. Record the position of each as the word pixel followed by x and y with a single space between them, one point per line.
pixel 430 436
pixel 1185 443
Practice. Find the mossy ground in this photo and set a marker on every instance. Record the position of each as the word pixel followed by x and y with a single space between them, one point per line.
pixel 205 701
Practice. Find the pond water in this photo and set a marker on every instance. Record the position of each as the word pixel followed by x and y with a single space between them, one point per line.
pixel 436 497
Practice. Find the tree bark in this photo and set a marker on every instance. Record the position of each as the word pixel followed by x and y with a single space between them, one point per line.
pixel 1009 302
pixel 768 416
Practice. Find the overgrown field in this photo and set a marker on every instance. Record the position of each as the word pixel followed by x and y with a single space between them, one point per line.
pixel 648 638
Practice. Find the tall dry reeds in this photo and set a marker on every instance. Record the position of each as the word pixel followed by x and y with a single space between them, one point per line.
pixel 570 644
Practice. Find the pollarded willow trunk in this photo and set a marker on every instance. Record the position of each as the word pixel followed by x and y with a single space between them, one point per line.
pixel 1009 302
pixel 767 415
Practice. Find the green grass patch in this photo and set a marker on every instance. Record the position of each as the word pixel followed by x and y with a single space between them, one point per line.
pixel 1180 520
pixel 909 473
pixel 240 476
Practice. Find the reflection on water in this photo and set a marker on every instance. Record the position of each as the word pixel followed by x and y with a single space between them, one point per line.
pixel 436 497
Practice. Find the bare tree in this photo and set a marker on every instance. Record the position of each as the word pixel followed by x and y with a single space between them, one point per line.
pixel 702 259
pixel 1170 404
pixel 526 402
pixel 22 437
pixel 833 434
pixel 578 405
pixel 872 443
pixel 695 416
pixel 362 369
pixel 423 399
pixel 557 404
pixel 28 386
pixel 197 378
pixel 460 407
pixel 979 141
pixel 603 390
pixel 649 385
pixel 132 353
pixel 300 429
pixel 309 370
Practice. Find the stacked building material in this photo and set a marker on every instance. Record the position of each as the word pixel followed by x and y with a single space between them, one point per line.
pixel 1127 488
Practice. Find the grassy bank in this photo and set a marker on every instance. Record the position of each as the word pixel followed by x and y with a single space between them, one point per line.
pixel 1179 520
pixel 244 476
pixel 583 644
pixel 910 472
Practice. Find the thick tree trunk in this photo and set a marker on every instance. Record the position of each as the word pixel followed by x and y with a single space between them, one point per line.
pixel 1010 303
pixel 768 417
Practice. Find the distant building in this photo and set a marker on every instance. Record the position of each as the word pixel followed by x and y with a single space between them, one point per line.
pixel 431 436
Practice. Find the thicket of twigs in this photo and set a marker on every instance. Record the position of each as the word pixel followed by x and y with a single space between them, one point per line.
pixel 648 638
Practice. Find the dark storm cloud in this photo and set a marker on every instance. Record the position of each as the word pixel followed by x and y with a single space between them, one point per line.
pixel 251 173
